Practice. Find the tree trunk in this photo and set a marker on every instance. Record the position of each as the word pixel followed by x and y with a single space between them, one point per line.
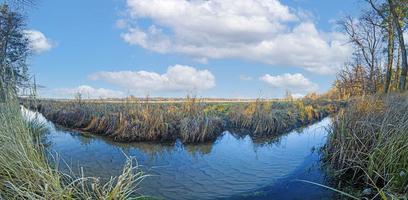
pixel 398 70
pixel 390 55
pixel 404 67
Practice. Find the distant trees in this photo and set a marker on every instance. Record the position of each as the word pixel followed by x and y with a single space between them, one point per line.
pixel 14 50
pixel 373 36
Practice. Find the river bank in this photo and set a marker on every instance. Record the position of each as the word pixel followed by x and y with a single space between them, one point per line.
pixel 192 121
pixel 367 147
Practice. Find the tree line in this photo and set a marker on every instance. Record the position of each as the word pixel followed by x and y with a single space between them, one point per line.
pixel 379 59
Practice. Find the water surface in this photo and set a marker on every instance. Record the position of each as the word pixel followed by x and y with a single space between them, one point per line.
pixel 233 167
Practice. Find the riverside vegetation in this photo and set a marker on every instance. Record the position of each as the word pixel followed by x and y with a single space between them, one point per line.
pixel 27 173
pixel 367 147
pixel 192 121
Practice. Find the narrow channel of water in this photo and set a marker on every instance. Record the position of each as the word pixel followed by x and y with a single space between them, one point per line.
pixel 232 167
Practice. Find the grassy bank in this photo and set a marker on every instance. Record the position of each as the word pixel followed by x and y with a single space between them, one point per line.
pixel 25 172
pixel 192 121
pixel 367 148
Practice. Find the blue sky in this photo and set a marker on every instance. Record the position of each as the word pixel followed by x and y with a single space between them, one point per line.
pixel 248 48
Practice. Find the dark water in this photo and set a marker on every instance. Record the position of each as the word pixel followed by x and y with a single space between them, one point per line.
pixel 233 167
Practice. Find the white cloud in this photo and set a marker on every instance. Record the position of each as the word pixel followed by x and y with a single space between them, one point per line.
pixel 178 78
pixel 86 92
pixel 292 82
pixel 261 30
pixel 38 42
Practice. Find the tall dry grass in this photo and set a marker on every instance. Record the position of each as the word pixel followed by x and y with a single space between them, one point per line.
pixel 264 118
pixel 368 145
pixel 140 121
pixel 25 172
pixel 192 121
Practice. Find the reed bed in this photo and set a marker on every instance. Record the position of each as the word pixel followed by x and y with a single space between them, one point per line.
pixel 26 173
pixel 367 147
pixel 265 118
pixel 192 121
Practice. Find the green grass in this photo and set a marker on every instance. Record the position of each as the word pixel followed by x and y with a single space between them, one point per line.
pixel 25 172
pixel 192 121
pixel 368 146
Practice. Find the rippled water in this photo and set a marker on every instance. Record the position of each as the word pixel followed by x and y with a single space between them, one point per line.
pixel 233 167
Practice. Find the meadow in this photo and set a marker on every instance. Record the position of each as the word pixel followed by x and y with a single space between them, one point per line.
pixel 191 121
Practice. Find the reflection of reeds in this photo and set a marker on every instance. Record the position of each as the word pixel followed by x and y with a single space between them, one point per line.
pixel 25 172
pixel 192 121
pixel 368 144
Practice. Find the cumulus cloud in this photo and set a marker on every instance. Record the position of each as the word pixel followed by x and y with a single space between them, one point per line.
pixel 261 30
pixel 292 82
pixel 87 92
pixel 178 78
pixel 38 42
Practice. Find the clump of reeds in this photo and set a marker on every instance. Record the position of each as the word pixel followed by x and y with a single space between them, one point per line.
pixel 264 118
pixel 368 145
pixel 25 172
pixel 197 125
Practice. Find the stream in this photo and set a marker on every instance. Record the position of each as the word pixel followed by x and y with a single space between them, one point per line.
pixel 232 167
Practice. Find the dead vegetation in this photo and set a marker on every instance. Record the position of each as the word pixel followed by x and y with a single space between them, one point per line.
pixel 192 121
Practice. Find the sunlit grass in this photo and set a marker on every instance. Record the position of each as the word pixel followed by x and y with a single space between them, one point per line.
pixel 191 121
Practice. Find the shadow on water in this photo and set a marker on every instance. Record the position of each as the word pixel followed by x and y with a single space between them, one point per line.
pixel 290 187
pixel 235 166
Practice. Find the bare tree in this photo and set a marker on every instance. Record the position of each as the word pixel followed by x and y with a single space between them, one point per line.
pixel 366 35
pixel 386 24
pixel 392 15
pixel 390 52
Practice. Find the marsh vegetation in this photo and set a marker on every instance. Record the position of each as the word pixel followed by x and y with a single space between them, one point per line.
pixel 192 121
pixel 368 146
